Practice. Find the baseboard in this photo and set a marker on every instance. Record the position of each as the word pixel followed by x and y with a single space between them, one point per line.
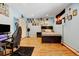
pixel 70 48
pixel 28 37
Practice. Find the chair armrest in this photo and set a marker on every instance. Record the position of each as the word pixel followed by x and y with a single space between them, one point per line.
pixel 9 40
pixel 2 44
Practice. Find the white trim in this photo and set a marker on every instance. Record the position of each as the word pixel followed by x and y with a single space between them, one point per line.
pixel 72 49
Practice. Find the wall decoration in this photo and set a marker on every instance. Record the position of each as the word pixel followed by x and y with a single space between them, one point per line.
pixel 22 16
pixel 32 24
pixel 28 20
pixel 41 19
pixel 70 11
pixel 75 12
pixel 58 20
pixel 69 17
pixel 4 9
pixel 64 19
pixel 38 21
pixel 46 19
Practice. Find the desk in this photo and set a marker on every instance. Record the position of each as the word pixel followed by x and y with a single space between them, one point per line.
pixel 3 38
pixel 3 44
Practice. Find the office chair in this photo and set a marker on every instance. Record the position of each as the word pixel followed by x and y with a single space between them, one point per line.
pixel 16 38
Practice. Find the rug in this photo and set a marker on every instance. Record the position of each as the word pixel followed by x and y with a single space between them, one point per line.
pixel 23 51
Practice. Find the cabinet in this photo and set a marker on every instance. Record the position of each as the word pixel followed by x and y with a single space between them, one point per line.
pixel 39 34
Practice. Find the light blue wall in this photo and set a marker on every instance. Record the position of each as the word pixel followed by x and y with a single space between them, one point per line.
pixel 13 15
pixel 57 28
pixel 71 29
pixel 10 20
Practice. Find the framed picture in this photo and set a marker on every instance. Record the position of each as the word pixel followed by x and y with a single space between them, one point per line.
pixel 66 16
pixel 32 24
pixel 69 17
pixel 75 12
pixel 59 22
pixel 46 19
pixel 64 19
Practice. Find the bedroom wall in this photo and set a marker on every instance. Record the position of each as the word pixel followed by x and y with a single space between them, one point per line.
pixel 57 28
pixel 3 19
pixel 35 29
pixel 11 19
pixel 71 29
pixel 13 15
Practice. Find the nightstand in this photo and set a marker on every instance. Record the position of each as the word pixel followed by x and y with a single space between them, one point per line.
pixel 39 34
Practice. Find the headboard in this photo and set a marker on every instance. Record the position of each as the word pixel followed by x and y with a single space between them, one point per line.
pixel 44 28
pixel 47 27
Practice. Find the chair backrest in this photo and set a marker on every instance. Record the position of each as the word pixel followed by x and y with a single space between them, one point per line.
pixel 17 37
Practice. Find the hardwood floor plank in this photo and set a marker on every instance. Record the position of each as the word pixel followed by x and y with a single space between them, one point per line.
pixel 46 49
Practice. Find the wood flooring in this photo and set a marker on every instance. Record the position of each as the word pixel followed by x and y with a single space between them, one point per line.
pixel 46 49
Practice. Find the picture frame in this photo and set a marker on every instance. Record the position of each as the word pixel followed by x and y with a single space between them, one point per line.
pixel 4 9
pixel 66 16
pixel 64 19
pixel 46 19
pixel 69 17
pixel 75 12
pixel 59 22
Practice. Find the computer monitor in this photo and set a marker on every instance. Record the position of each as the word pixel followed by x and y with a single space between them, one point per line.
pixel 4 28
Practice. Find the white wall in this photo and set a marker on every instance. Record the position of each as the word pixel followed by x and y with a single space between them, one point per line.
pixel 71 29
pixel 35 29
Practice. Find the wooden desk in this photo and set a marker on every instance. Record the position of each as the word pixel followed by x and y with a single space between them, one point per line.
pixel 3 37
pixel 1 52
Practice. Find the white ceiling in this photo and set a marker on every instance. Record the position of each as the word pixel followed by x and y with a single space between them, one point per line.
pixel 37 10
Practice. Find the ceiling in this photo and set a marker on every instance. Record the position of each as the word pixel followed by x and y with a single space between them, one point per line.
pixel 38 10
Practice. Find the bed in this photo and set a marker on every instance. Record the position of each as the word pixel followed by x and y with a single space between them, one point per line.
pixel 49 36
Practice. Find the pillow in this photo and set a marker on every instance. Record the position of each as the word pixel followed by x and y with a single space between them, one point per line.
pixel 43 30
pixel 48 30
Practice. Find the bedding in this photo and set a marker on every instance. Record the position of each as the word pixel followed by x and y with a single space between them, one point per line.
pixel 50 34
